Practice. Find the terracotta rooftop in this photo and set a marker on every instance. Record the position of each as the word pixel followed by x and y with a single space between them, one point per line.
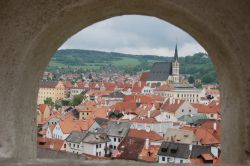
pixel 144 134
pixel 48 143
pixel 144 120
pixel 164 88
pixel 130 148
pixel 172 106
pixel 211 108
pixel 149 155
pixel 205 137
pixel 144 76
pixel 42 107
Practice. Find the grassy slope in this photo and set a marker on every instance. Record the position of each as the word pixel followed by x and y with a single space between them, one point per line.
pixel 197 65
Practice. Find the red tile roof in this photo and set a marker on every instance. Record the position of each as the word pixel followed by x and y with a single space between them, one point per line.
pixel 143 109
pixel 149 155
pixel 144 76
pixel 68 84
pixel 207 109
pixel 164 88
pixel 205 137
pixel 54 144
pixel 144 99
pixel 144 120
pixel 172 107
pixel 70 124
pixel 42 107
pixel 124 106
pixel 138 86
pixel 207 156
pixel 151 135
pixel 130 148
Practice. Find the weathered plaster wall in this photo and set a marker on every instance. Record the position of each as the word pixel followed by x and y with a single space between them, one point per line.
pixel 31 31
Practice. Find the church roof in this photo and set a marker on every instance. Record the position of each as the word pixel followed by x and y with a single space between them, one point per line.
pixel 160 71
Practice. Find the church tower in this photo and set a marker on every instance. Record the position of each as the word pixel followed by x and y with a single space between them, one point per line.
pixel 176 67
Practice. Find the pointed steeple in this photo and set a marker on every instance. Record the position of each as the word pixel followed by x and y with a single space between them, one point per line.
pixel 176 53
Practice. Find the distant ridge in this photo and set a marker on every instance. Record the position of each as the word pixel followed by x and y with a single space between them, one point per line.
pixel 198 65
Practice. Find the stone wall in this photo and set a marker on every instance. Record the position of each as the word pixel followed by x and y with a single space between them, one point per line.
pixel 31 31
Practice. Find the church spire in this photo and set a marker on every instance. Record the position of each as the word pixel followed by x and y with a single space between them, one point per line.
pixel 176 53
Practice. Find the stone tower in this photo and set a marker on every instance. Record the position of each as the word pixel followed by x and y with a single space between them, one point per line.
pixel 175 67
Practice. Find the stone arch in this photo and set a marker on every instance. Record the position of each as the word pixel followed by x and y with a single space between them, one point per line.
pixel 32 31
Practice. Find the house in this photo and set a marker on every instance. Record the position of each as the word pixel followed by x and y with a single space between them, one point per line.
pixel 129 148
pixel 192 120
pixel 138 87
pixel 51 89
pixel 77 91
pixel 117 131
pixel 91 143
pixel 204 154
pixel 99 123
pixel 48 143
pixel 144 99
pixel 124 107
pixel 147 90
pixel 180 136
pixel 149 153
pixel 43 112
pixel 68 124
pixel 152 136
pixel 113 98
pixel 151 124
pixel 49 131
pixel 173 109
pixel 53 119
pixel 171 152
pixel 181 92
pixel 212 110
pixel 208 133
pixel 68 85
pixel 90 110
pixel 145 110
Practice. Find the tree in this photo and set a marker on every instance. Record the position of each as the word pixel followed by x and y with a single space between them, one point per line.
pixel 49 102
pixel 77 99
pixel 58 104
pixel 191 79
pixel 65 102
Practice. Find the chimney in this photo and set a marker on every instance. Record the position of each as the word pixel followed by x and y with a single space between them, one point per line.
pixel 178 101
pixel 139 84
pixel 190 147
pixel 130 117
pixel 148 114
pixel 148 129
pixel 173 100
pixel 147 144
pixel 51 146
pixel 215 126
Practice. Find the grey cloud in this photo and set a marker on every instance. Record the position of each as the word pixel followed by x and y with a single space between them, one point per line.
pixel 133 32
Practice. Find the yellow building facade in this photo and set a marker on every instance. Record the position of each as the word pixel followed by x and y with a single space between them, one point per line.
pixel 49 89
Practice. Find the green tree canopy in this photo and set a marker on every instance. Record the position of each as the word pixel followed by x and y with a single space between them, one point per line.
pixel 49 102
pixel 77 99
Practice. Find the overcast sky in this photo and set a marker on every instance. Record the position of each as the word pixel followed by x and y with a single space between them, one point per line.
pixel 134 34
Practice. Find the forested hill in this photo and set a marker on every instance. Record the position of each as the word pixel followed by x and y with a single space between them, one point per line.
pixel 73 60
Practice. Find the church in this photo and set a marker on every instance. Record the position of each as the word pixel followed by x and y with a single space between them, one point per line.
pixel 165 72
